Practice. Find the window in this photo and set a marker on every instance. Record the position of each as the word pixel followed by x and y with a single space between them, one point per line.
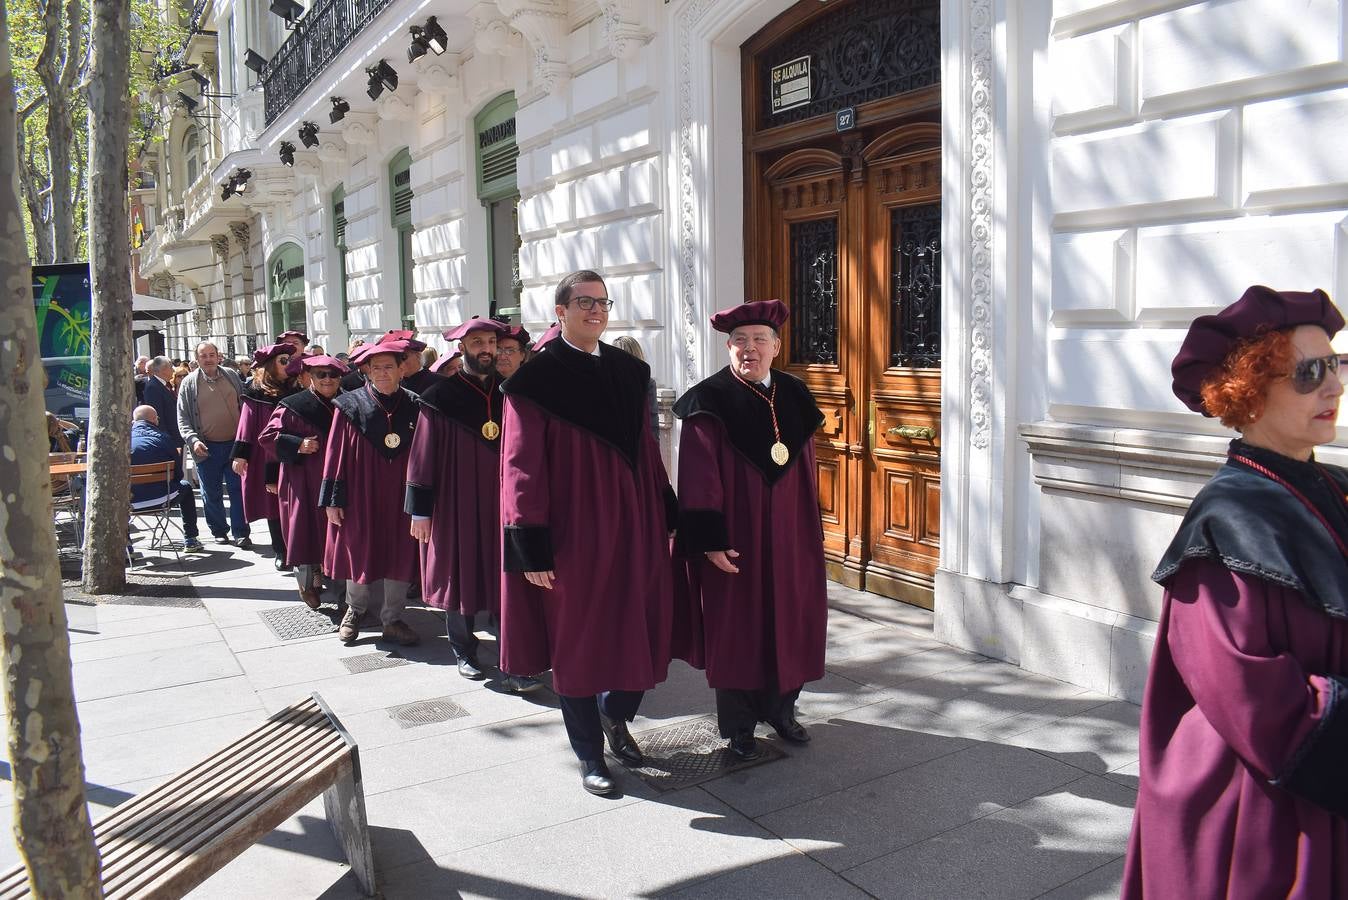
pixel 339 241
pixel 498 189
pixel 400 195
pixel 192 155
pixel 285 289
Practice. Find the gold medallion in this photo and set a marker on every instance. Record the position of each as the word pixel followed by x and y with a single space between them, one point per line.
pixel 780 454
pixel 392 441
pixel 490 430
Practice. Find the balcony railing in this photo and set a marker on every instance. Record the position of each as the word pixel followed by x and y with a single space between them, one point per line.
pixel 320 36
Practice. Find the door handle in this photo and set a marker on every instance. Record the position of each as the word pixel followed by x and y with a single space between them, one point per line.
pixel 913 432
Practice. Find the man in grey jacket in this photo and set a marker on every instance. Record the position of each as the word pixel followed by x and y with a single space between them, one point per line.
pixel 208 417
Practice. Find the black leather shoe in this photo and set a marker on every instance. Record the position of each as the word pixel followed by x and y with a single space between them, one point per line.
pixel 596 778
pixel 469 669
pixel 244 543
pixel 281 565
pixel 745 746
pixel 621 742
pixel 790 730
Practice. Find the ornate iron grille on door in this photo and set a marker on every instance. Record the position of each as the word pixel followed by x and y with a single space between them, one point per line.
pixel 915 329
pixel 870 50
pixel 814 291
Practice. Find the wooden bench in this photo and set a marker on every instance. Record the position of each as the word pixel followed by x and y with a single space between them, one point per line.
pixel 165 842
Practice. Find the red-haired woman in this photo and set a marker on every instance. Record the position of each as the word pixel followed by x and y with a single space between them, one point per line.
pixel 1244 741
pixel 256 465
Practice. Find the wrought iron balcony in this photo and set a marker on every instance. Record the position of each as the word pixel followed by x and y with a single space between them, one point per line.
pixel 321 35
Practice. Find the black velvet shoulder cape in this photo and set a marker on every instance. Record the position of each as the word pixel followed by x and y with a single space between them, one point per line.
pixel 369 418
pixel 458 400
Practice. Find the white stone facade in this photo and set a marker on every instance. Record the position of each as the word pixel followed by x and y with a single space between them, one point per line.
pixel 1112 168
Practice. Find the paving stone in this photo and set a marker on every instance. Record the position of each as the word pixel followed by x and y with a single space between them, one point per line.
pixel 347 694
pixel 647 848
pixel 177 705
pixel 1105 883
pixel 869 820
pixel 1025 851
pixel 132 644
pixel 100 623
pixel 153 669
pixel 1099 740
pixel 884 668
pixel 162 751
pixel 793 875
pixel 375 728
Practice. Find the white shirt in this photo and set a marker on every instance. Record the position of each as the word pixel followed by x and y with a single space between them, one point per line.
pixel 594 352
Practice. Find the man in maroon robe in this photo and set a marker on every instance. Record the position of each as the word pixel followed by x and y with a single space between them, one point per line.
pixel 749 525
pixel 270 384
pixel 454 491
pixel 586 509
pixel 512 350
pixel 369 542
pixel 297 435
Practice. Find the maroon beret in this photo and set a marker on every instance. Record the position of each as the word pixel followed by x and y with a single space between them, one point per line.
pixel 554 332
pixel 296 363
pixel 519 334
pixel 323 362
pixel 365 352
pixel 264 355
pixel 772 313
pixel 293 334
pixel 476 323
pixel 1260 310
pixel 403 335
pixel 444 361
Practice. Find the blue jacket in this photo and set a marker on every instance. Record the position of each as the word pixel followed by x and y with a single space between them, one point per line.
pixel 165 402
pixel 151 445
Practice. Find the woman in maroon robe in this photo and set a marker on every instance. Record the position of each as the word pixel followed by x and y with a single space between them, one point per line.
pixel 1243 789
pixel 297 435
pixel 749 526
pixel 258 468
pixel 586 509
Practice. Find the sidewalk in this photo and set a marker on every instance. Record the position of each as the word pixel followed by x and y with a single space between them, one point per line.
pixel 932 772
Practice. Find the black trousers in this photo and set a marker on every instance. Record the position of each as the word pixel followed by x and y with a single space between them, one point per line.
pixel 739 711
pixel 581 717
pixel 278 538
pixel 459 628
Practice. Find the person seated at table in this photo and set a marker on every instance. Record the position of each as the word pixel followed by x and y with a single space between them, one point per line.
pixel 150 445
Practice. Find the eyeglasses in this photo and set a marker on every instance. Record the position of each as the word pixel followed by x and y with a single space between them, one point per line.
pixel 282 359
pixel 604 303
pixel 507 351
pixel 324 374
pixel 1309 374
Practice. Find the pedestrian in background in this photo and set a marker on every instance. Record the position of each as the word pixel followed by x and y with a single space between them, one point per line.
pixel 208 417
pixel 151 444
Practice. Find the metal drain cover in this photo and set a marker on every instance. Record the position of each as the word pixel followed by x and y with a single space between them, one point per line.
pixel 689 753
pixel 368 662
pixel 299 622
pixel 426 712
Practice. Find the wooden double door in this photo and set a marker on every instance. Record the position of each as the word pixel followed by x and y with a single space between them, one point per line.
pixel 847 229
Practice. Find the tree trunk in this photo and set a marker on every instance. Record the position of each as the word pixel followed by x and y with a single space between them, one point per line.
pixel 51 821
pixel 30 184
pixel 58 66
pixel 109 498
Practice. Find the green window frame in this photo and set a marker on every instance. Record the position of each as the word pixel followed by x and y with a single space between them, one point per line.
pixel 498 188
pixel 285 289
pixel 400 205
pixel 339 242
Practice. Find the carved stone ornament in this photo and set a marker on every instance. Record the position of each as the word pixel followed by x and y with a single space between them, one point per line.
pixel 220 244
pixel 544 26
pixel 623 26
pixel 491 32
pixel 239 232
pixel 360 129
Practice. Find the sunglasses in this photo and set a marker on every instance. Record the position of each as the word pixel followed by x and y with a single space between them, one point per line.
pixel 324 374
pixel 1309 374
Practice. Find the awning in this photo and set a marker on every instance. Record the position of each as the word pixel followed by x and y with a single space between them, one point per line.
pixel 144 307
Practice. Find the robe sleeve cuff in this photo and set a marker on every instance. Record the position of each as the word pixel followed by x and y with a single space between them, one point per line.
pixel 701 530
pixel 1316 771
pixel 288 449
pixel 671 509
pixel 332 492
pixel 528 548
pixel 271 473
pixel 242 450
pixel 419 501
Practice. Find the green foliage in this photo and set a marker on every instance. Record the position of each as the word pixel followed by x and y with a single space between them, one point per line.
pixel 157 35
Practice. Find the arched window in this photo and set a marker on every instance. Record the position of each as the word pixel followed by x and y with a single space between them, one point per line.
pixel 285 289
pixel 400 193
pixel 192 155
pixel 498 190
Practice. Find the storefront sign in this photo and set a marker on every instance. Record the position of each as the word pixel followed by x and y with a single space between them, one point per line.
pixel 791 84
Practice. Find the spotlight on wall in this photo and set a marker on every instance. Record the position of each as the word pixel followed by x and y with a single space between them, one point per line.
pixel 188 102
pixel 227 190
pixel 381 76
pixel 290 10
pixel 339 110
pixel 287 153
pixel 309 135
pixel 202 81
pixel 419 46
pixel 240 180
pixel 255 61
pixel 435 36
